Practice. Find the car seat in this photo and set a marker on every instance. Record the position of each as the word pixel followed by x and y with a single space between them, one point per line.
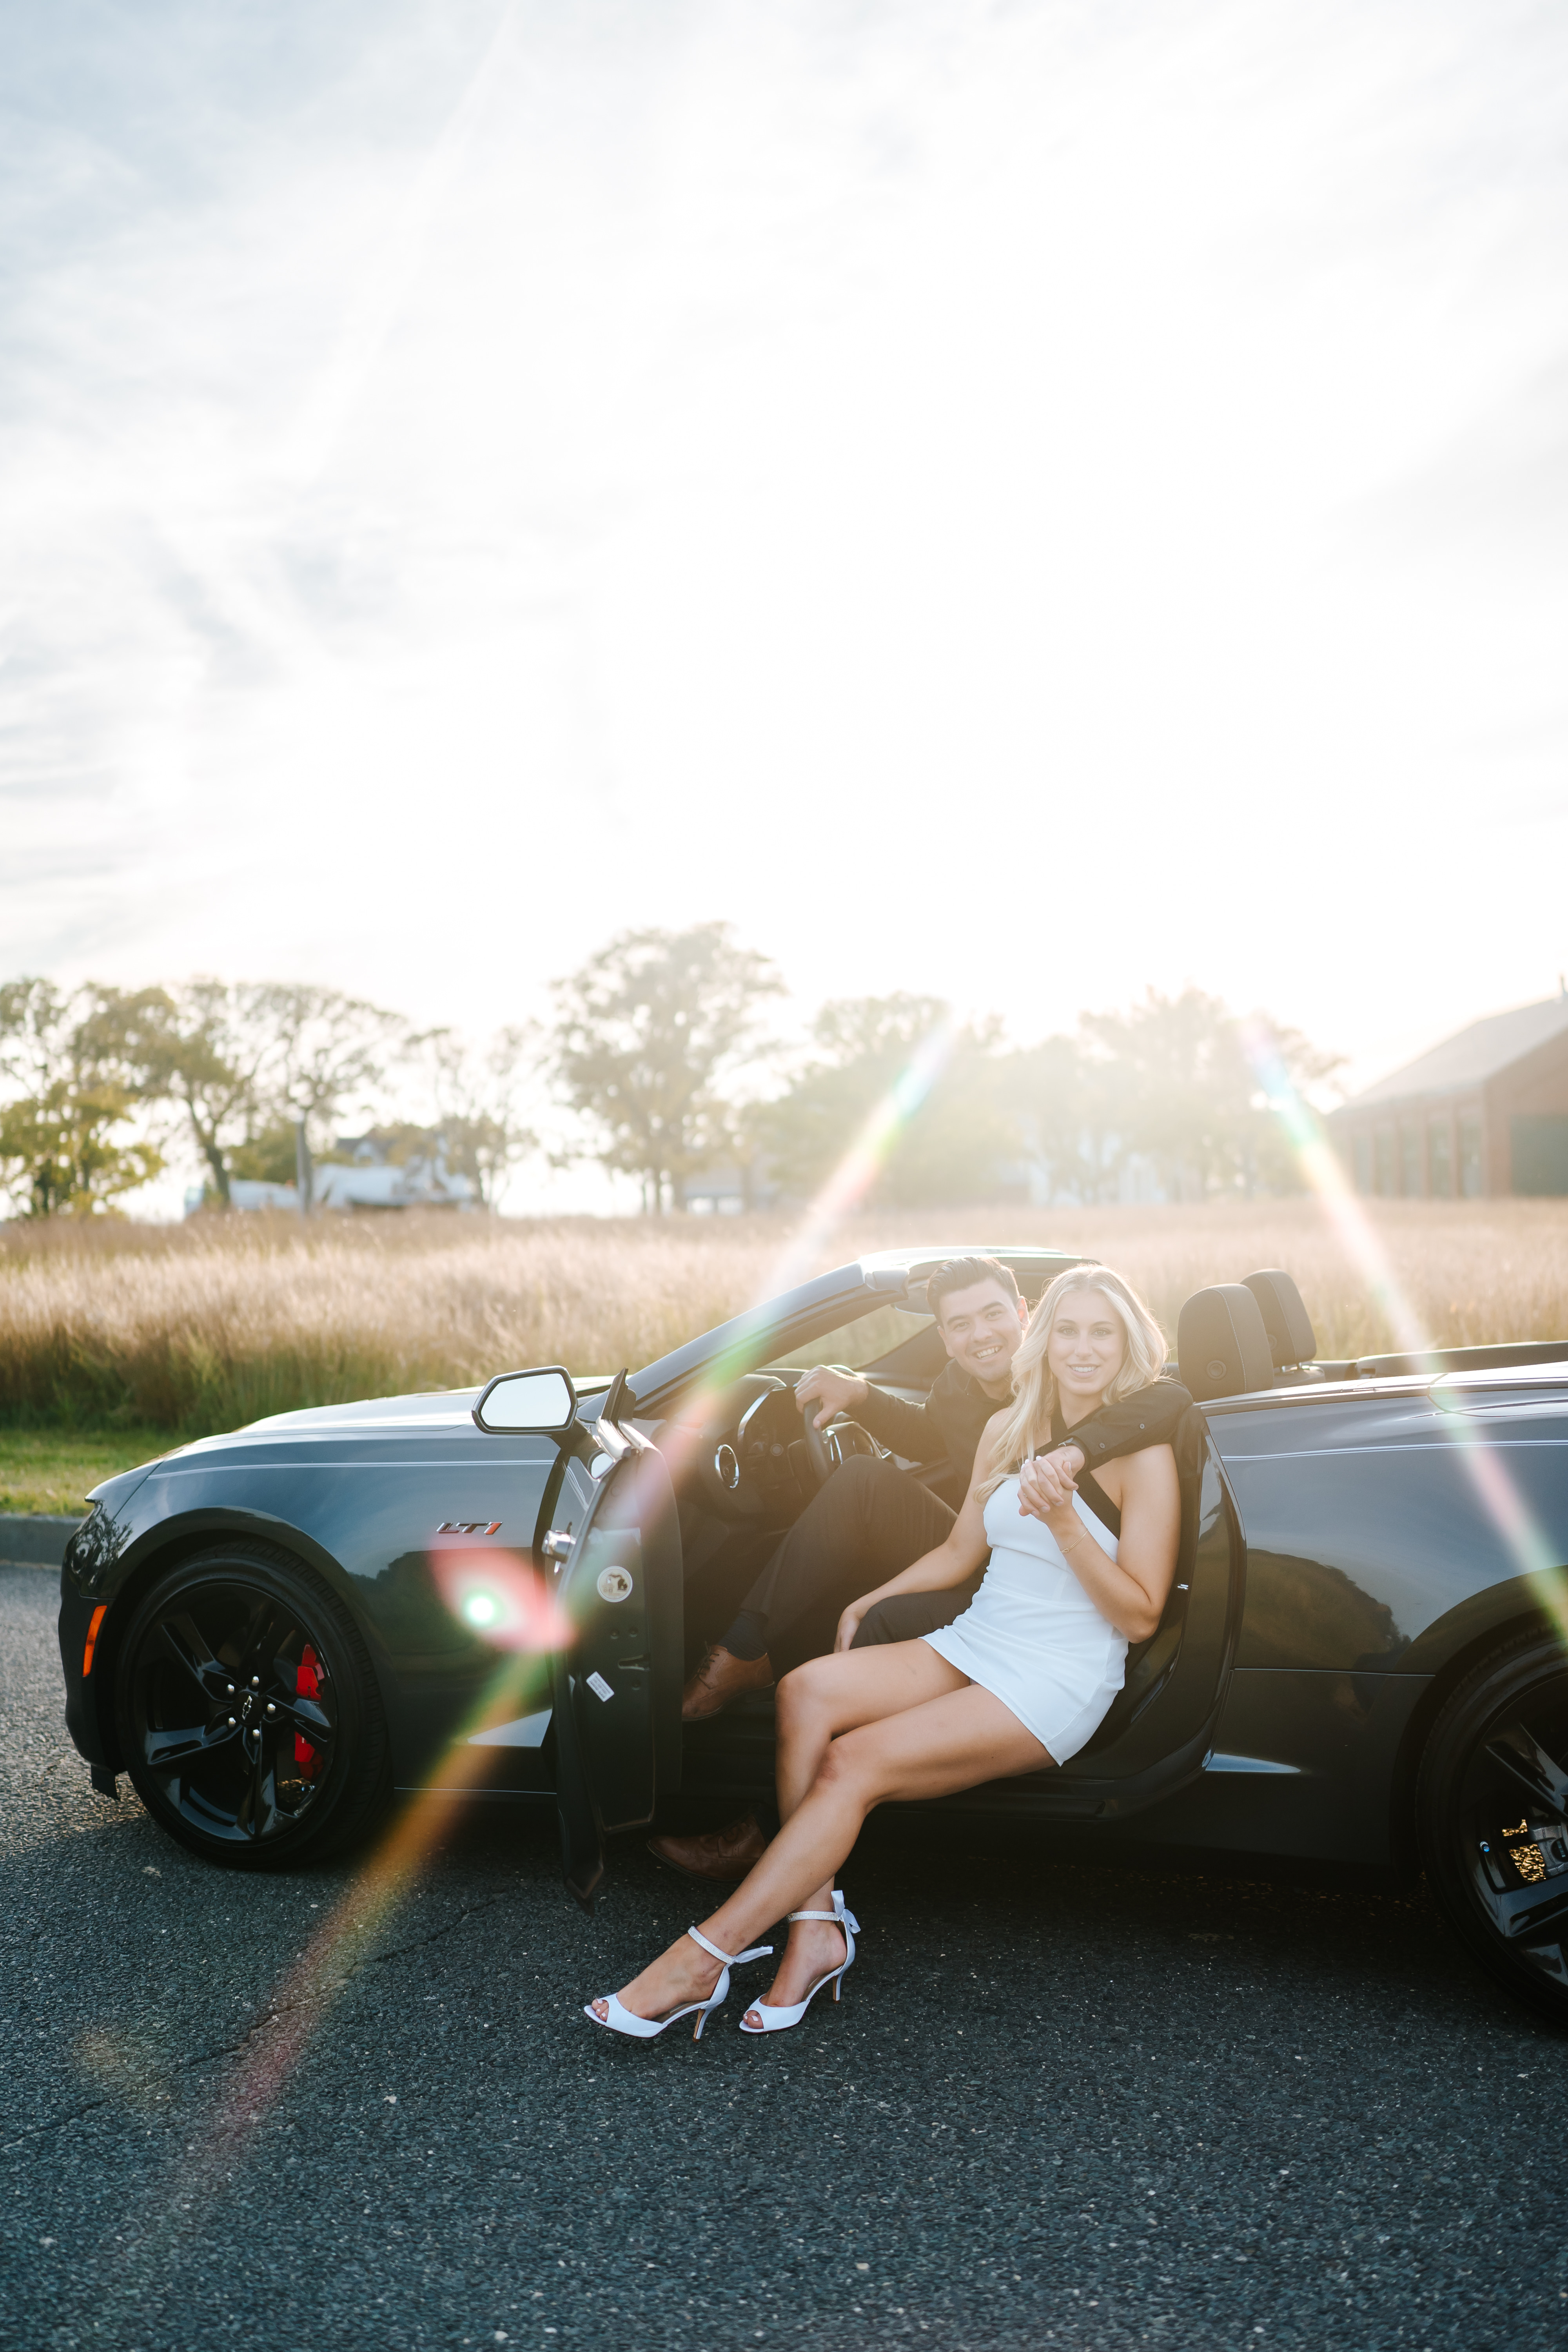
pixel 1222 1345
pixel 1292 1342
pixel 1223 1351
pixel 1149 1662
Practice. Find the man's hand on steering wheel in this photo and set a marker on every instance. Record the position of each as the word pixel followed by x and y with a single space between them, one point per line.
pixel 832 1387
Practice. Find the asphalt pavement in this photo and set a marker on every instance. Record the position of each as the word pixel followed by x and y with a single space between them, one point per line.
pixel 1065 2102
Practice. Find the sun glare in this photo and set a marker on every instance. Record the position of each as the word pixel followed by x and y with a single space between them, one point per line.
pixel 502 1597
pixel 1325 1176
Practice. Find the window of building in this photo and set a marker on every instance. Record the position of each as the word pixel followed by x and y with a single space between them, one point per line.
pixel 1383 1161
pixel 1410 1169
pixel 1470 1159
pixel 1361 1149
pixel 1539 1149
pixel 1440 1159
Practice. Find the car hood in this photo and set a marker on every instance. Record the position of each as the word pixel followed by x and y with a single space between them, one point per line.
pixel 422 1410
pixel 426 1411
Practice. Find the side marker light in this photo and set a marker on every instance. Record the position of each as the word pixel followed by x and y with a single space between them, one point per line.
pixel 99 1614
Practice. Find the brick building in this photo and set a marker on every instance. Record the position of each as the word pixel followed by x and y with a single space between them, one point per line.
pixel 1482 1115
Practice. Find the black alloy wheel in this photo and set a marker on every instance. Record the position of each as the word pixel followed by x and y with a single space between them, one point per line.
pixel 247 1711
pixel 1492 1809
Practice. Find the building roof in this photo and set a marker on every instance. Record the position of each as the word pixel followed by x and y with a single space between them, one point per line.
pixel 1471 1055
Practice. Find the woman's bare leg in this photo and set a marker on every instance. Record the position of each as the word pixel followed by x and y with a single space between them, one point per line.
pixel 822 1698
pixel 842 1691
pixel 953 1741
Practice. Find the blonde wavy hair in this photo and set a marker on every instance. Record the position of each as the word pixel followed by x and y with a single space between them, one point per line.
pixel 1028 1423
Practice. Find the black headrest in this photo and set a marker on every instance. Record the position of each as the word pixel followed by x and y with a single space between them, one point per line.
pixel 1291 1338
pixel 1221 1343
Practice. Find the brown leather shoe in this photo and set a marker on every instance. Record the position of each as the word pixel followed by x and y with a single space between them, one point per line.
pixel 722 1855
pixel 720 1678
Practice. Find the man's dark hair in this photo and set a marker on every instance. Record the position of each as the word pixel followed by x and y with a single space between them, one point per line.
pixel 962 1273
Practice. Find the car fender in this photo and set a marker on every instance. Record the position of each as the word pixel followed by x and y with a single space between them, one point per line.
pixel 371 1517
pixel 137 1559
pixel 1447 1651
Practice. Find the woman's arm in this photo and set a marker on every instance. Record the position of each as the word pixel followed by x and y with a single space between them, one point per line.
pixel 957 1555
pixel 1132 1588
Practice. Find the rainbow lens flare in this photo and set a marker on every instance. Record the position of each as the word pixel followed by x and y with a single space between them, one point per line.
pixel 500 1596
pixel 502 1599
pixel 1325 1176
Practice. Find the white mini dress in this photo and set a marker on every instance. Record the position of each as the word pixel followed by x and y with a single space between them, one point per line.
pixel 1031 1636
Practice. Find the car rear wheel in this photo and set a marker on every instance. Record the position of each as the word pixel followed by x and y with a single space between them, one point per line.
pixel 247 1711
pixel 1492 1808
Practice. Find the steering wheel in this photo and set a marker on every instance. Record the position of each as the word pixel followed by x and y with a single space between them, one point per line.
pixel 825 1449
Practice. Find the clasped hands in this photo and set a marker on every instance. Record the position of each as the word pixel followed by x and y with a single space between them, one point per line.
pixel 1048 1483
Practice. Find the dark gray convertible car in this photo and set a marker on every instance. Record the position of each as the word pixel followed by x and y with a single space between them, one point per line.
pixel 498 1591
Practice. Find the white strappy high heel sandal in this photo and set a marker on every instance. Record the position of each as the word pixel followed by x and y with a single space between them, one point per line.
pixel 779 2020
pixel 643 2029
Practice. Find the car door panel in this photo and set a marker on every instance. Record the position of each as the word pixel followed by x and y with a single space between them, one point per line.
pixel 1293 1757
pixel 616 1684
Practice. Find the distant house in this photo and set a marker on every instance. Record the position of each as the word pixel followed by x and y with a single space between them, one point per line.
pixel 725 1191
pixel 421 1184
pixel 1482 1115
pixel 362 1178
pixel 373 1180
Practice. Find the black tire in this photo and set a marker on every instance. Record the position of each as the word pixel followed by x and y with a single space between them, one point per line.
pixel 247 1711
pixel 1492 1812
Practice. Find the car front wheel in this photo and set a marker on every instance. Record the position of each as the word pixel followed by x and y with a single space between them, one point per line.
pixel 1492 1807
pixel 247 1711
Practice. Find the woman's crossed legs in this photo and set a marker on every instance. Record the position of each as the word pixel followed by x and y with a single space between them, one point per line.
pixel 856 1730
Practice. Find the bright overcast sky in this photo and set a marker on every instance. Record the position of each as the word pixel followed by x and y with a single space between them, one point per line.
pixel 1020 502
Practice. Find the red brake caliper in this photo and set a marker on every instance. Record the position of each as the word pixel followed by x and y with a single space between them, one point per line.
pixel 307 1685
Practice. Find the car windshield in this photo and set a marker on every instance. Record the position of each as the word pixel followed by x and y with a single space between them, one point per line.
pixel 865 1341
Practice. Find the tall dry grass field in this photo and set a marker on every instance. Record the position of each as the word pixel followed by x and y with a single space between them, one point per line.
pixel 204 1325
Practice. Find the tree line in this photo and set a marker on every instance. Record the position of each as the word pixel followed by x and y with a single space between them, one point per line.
pixel 660 1047
pixel 97 1083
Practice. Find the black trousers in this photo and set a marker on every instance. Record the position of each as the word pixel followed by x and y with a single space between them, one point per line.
pixel 869 1521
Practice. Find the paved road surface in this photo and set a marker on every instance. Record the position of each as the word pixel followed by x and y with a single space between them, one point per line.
pixel 1063 2104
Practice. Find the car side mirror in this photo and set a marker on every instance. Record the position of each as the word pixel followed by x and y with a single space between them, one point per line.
pixel 528 1404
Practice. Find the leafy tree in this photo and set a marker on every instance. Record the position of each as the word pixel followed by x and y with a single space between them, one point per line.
pixel 269 1155
pixel 477 1094
pixel 1072 1113
pixel 1188 1096
pixel 949 1129
pixel 646 1036
pixel 250 1062
pixel 326 1051
pixel 206 1055
pixel 1273 1166
pixel 73 1081
pixel 1186 1086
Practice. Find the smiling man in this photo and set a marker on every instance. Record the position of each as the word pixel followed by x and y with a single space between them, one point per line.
pixel 872 1518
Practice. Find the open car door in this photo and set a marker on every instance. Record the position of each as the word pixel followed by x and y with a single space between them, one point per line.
pixel 616 1700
